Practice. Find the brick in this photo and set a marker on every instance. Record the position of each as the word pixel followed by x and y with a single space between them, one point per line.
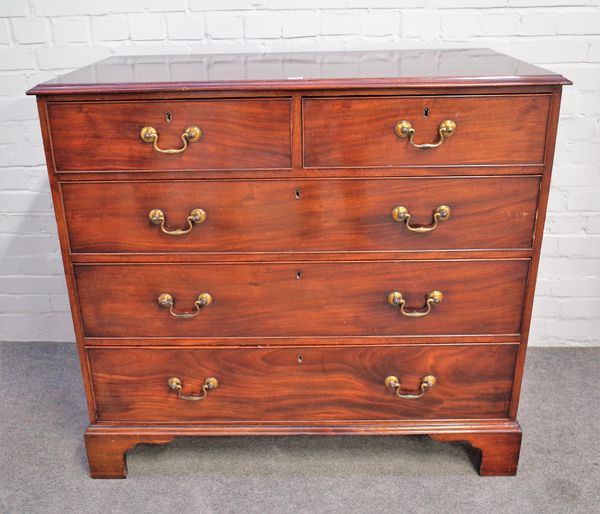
pixel 593 224
pixel 69 31
pixel 421 24
pixel 548 50
pixel 574 176
pixel 547 3
pixel 69 7
pixel 165 6
pixel 583 22
pixel 538 24
pixel 16 59
pixel 299 24
pixel 566 224
pixel 377 23
pixel 43 327
pixel 230 5
pixel 4 32
pixel 567 266
pixel 28 303
pixel 259 25
pixel 112 28
pixel 557 201
pixel 28 30
pixel 584 152
pixel 70 56
pixel 223 26
pixel 44 264
pixel 32 285
pixel 546 307
pixel 126 6
pixel 306 4
pixel 581 308
pixel 185 27
pixel 24 201
pixel 146 27
pixel 576 287
pixel 13 8
pixel 579 246
pixel 499 24
pixel 60 303
pixel 459 26
pixel 594 55
pixel 337 24
pixel 11 85
pixel 579 331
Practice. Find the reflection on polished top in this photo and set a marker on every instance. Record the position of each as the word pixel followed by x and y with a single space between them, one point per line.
pixel 394 68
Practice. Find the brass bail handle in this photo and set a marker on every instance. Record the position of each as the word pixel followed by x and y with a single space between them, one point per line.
pixel 427 382
pixel 404 129
pixel 176 384
pixel 196 217
pixel 434 298
pixel 190 135
pixel 401 214
pixel 166 301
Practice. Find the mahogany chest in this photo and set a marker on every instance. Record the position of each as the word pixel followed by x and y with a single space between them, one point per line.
pixel 327 243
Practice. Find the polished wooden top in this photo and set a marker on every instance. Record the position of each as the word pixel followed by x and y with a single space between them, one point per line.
pixel 325 70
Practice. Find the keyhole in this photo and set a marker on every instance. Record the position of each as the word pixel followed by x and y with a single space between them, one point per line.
pixel 300 359
pixel 298 275
pixel 297 193
pixel 168 116
pixel 426 112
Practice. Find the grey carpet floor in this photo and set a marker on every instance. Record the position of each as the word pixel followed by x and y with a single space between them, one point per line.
pixel 43 416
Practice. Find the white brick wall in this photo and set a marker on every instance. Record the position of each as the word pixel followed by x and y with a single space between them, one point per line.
pixel 40 39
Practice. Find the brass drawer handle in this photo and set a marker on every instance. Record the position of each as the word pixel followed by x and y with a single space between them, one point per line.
pixel 404 129
pixel 190 134
pixel 401 215
pixel 176 384
pixel 166 301
pixel 393 382
pixel 158 217
pixel 433 298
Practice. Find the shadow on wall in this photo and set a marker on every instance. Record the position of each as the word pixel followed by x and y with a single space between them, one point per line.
pixel 33 297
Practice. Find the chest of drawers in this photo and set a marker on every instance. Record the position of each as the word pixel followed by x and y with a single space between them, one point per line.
pixel 335 243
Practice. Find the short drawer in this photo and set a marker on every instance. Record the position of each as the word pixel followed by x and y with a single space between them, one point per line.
pixel 301 299
pixel 302 215
pixel 233 134
pixel 362 132
pixel 302 384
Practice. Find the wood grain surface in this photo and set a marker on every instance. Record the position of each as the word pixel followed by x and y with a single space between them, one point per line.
pixel 301 215
pixel 329 299
pixel 344 383
pixel 236 134
pixel 343 132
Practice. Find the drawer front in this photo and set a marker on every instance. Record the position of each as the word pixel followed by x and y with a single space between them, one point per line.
pixel 302 384
pixel 302 215
pixel 302 299
pixel 235 134
pixel 344 132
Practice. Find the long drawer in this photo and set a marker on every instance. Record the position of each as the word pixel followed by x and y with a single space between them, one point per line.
pixel 302 299
pixel 302 384
pixel 302 215
pixel 233 134
pixel 363 131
